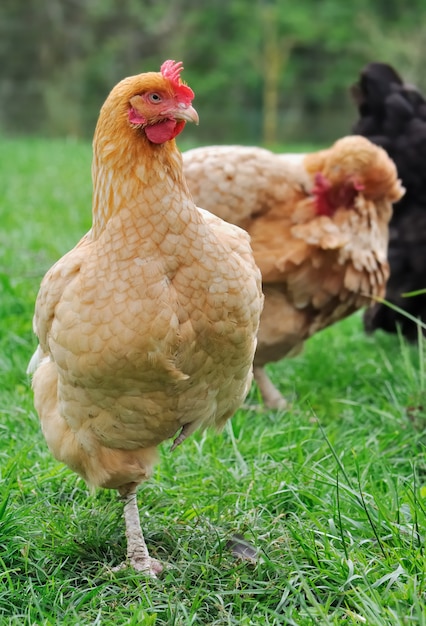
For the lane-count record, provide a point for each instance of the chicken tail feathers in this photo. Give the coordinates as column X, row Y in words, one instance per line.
column 35, row 361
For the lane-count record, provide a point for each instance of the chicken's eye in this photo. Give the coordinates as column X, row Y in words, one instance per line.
column 155, row 98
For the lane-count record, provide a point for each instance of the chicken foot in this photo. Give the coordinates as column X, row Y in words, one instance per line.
column 137, row 552
column 270, row 394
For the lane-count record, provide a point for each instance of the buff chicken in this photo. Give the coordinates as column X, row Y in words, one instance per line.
column 319, row 231
column 147, row 328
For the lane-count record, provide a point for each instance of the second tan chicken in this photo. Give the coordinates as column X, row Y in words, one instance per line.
column 319, row 230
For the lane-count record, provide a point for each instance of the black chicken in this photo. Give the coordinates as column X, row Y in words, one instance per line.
column 393, row 115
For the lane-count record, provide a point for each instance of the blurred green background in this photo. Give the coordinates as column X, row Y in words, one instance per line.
column 264, row 71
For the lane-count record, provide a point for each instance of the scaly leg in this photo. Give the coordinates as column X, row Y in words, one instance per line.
column 137, row 552
column 270, row 394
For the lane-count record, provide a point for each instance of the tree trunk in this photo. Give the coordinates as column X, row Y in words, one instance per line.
column 276, row 52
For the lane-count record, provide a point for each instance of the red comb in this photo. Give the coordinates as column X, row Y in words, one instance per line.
column 171, row 71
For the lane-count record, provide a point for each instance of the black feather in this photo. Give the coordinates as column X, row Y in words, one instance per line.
column 392, row 114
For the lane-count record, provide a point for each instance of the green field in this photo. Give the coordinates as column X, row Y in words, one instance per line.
column 331, row 493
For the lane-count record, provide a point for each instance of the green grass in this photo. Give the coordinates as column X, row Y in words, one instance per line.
column 331, row 493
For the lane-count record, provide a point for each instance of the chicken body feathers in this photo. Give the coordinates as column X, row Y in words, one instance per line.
column 316, row 269
column 148, row 326
column 392, row 114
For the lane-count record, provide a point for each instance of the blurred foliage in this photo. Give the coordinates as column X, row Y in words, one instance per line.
column 265, row 71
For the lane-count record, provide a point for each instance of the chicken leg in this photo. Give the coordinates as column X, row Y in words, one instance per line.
column 137, row 551
column 270, row 394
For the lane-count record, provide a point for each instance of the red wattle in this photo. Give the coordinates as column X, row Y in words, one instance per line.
column 164, row 131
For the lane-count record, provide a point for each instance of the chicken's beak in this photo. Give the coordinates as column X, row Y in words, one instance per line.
column 187, row 114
